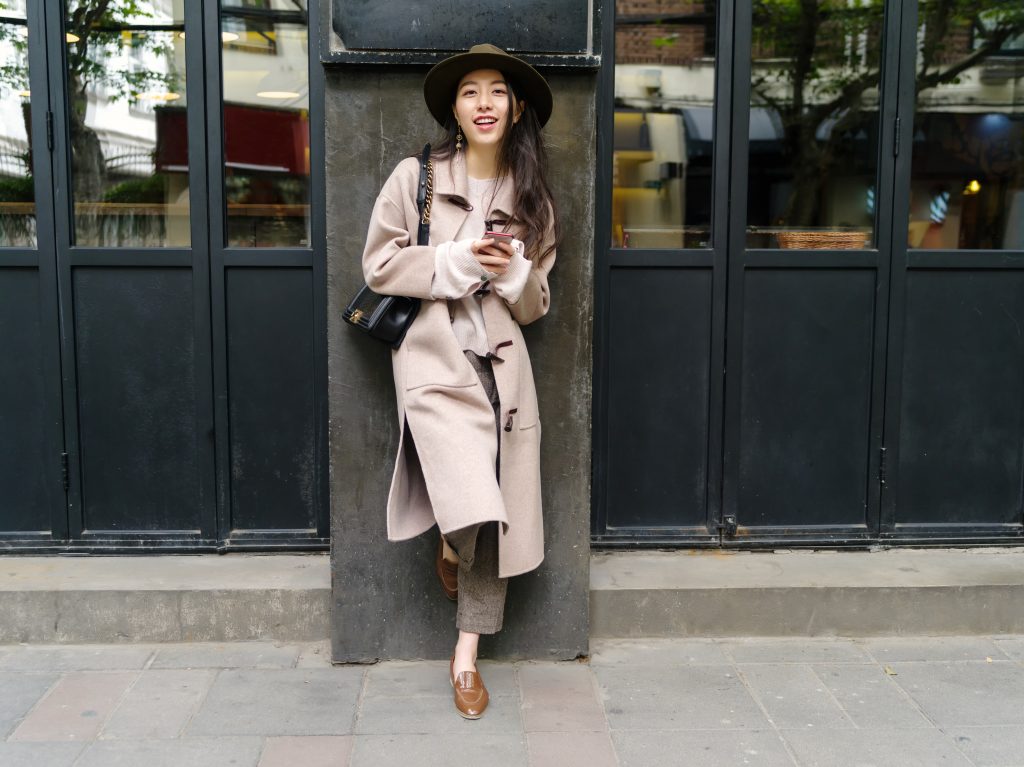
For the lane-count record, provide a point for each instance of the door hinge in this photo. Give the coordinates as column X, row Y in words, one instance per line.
column 896, row 140
column 882, row 470
column 728, row 526
column 64, row 472
column 49, row 131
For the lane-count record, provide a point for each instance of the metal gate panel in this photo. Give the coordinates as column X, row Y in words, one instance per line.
column 27, row 455
column 805, row 398
column 658, row 378
column 141, row 433
column 270, row 350
column 961, row 417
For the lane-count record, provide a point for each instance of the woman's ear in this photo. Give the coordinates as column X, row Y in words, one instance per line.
column 519, row 111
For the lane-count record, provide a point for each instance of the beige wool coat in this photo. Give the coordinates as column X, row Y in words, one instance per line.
column 444, row 470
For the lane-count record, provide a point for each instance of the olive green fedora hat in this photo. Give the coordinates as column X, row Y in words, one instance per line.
column 441, row 81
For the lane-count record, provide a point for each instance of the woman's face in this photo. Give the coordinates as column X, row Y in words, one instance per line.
column 483, row 102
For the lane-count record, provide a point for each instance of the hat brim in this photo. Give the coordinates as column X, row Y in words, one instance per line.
column 441, row 82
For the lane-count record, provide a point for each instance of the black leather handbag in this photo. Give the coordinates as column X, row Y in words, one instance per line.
column 388, row 318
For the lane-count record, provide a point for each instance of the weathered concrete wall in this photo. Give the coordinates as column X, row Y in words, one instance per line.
column 386, row 599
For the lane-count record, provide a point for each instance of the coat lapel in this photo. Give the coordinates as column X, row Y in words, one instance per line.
column 451, row 200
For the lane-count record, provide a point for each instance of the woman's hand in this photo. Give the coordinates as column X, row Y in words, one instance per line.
column 493, row 256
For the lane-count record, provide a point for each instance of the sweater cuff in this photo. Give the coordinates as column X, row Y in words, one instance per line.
column 457, row 273
column 510, row 285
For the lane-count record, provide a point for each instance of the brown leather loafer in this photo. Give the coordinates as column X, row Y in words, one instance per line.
column 470, row 694
column 447, row 573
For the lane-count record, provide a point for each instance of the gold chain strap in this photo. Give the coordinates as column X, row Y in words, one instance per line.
column 430, row 193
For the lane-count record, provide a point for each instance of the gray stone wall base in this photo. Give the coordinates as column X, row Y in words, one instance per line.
column 164, row 599
column 807, row 594
column 386, row 600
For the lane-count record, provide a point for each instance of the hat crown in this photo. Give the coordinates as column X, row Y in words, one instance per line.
column 487, row 48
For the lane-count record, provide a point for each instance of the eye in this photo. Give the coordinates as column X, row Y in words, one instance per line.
column 469, row 92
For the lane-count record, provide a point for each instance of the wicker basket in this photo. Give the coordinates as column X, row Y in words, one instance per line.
column 822, row 240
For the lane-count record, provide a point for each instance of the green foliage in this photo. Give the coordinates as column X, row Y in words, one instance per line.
column 17, row 189
column 152, row 189
column 103, row 31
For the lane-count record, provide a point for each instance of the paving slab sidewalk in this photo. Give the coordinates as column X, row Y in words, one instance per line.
column 636, row 703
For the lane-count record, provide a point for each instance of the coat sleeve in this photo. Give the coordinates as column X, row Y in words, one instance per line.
column 392, row 264
column 536, row 296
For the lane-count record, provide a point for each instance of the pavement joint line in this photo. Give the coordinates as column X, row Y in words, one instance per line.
column 764, row 711
column 120, row 701
column 211, row 680
column 37, row 704
column 950, row 739
column 828, row 691
column 357, row 714
column 596, row 689
column 998, row 644
column 894, row 680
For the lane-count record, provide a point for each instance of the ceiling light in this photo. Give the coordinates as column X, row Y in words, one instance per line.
column 170, row 96
column 71, row 37
column 228, row 37
column 277, row 94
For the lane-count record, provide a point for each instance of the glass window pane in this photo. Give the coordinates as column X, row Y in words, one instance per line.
column 967, row 168
column 128, row 132
column 17, row 190
column 266, row 122
column 813, row 123
column 664, row 100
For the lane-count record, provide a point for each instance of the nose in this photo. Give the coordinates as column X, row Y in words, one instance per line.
column 485, row 100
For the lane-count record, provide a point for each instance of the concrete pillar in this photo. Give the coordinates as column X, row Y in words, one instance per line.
column 386, row 599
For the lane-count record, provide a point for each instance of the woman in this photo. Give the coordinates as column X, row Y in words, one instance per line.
column 469, row 455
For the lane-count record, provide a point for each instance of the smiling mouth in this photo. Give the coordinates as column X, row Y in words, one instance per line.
column 485, row 121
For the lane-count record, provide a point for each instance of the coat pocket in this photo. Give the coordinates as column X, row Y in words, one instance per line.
column 432, row 356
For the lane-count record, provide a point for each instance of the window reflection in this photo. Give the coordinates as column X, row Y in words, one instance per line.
column 129, row 145
column 967, row 172
column 813, row 123
column 17, row 189
column 266, row 122
column 664, row 94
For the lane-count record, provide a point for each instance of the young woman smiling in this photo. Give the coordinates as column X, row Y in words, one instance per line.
column 469, row 453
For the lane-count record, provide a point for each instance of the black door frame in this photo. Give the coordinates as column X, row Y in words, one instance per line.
column 56, row 257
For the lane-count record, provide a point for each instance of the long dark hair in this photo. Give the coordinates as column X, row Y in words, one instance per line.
column 522, row 156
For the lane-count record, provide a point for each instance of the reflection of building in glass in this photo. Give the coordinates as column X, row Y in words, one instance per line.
column 266, row 122
column 123, row 67
column 664, row 91
column 814, row 133
column 17, row 195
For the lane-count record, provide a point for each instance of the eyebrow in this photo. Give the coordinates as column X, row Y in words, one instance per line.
column 474, row 82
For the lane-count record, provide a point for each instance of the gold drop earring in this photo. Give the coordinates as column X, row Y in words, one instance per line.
column 458, row 140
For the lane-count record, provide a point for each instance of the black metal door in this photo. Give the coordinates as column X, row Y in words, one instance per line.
column 660, row 276
column 808, row 270
column 191, row 366
column 955, row 401
column 132, row 274
column 873, row 370
column 32, row 509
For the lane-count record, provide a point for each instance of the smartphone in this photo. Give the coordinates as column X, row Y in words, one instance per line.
column 505, row 237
